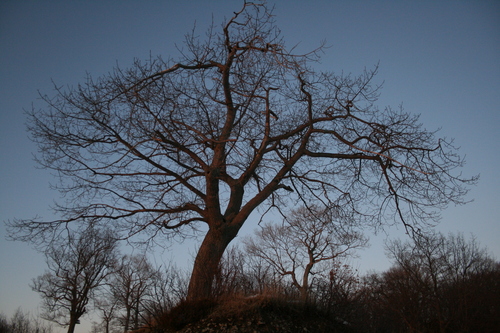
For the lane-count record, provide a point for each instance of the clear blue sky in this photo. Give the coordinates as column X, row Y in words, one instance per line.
column 441, row 59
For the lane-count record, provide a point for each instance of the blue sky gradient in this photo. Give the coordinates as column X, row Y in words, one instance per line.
column 439, row 59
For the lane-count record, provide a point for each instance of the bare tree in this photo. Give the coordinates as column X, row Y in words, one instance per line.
column 431, row 285
column 338, row 291
column 23, row 322
column 76, row 267
column 20, row 322
column 137, row 295
column 309, row 237
column 107, row 307
column 231, row 277
column 168, row 288
column 4, row 325
column 130, row 286
column 263, row 279
column 237, row 122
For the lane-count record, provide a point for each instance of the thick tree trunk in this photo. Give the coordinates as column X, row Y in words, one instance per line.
column 304, row 290
column 72, row 324
column 71, row 327
column 75, row 315
column 207, row 261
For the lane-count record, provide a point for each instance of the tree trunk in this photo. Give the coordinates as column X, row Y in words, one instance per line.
column 304, row 289
column 136, row 314
column 71, row 328
column 75, row 313
column 72, row 324
column 207, row 261
column 127, row 319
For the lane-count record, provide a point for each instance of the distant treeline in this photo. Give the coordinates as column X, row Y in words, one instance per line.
column 437, row 284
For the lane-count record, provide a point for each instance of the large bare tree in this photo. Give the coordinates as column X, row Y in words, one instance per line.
column 236, row 123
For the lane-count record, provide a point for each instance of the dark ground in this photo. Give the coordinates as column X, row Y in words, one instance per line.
column 257, row 314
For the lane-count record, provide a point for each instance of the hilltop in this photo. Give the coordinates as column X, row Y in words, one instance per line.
column 250, row 314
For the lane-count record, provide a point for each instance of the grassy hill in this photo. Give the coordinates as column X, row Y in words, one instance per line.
column 249, row 314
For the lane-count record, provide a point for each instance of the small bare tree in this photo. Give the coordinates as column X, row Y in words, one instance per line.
column 237, row 123
column 77, row 265
column 309, row 237
column 107, row 308
column 130, row 286
column 23, row 322
column 168, row 288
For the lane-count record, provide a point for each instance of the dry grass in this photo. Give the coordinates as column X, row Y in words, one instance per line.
column 237, row 313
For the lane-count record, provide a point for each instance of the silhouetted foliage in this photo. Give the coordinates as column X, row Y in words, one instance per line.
column 438, row 284
column 4, row 325
column 337, row 293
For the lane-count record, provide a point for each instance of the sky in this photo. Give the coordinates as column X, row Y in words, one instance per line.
column 439, row 59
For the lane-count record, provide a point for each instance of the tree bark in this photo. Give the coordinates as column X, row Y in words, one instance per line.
column 127, row 319
column 72, row 324
column 71, row 328
column 207, row 260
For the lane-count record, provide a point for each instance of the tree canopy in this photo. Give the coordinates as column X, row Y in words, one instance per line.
column 236, row 123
